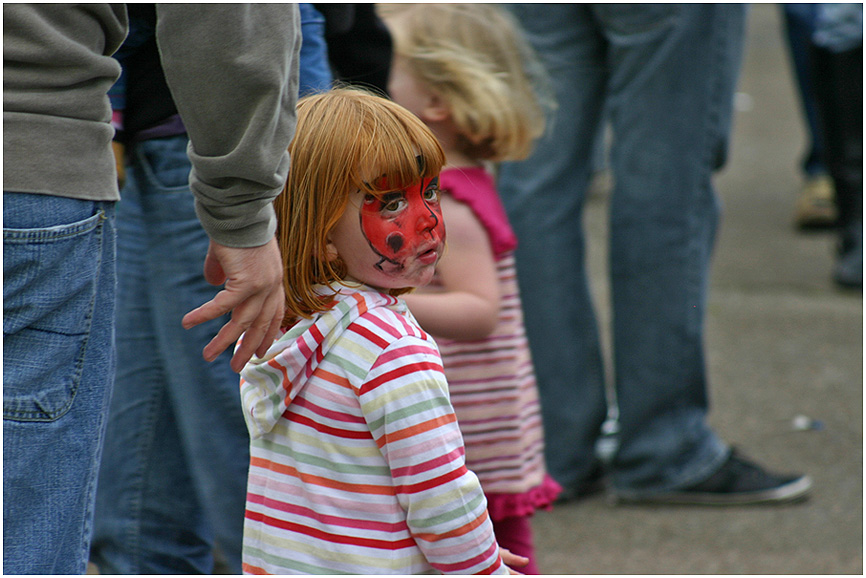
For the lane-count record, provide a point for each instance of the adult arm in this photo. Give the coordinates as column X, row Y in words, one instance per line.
column 233, row 72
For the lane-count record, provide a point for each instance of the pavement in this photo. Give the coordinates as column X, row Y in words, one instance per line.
column 782, row 341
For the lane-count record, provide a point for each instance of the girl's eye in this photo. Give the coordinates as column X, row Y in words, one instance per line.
column 393, row 202
column 432, row 195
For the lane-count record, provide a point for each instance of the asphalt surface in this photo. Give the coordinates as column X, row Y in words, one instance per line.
column 782, row 341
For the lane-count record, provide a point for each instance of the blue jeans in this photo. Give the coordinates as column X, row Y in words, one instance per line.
column 799, row 27
column 174, row 468
column 315, row 70
column 58, row 334
column 838, row 26
column 665, row 76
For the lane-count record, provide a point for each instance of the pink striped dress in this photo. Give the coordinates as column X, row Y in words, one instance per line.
column 492, row 381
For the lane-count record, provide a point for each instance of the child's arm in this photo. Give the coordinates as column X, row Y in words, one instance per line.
column 467, row 307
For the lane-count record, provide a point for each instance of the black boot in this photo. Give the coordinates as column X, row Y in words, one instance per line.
column 839, row 97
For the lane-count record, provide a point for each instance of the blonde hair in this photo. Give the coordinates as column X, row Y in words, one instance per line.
column 475, row 57
column 345, row 140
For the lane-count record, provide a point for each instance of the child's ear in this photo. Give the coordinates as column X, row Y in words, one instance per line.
column 331, row 253
column 436, row 109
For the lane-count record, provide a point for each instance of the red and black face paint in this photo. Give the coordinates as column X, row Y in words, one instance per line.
column 404, row 223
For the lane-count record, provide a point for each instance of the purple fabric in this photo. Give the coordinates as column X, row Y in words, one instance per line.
column 172, row 126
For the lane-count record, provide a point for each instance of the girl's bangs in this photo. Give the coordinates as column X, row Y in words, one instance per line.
column 402, row 152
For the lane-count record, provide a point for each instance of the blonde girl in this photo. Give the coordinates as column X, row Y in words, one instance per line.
column 356, row 459
column 465, row 70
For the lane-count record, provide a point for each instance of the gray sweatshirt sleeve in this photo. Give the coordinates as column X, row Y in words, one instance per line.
column 233, row 73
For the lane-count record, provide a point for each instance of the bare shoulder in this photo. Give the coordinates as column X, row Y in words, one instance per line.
column 461, row 224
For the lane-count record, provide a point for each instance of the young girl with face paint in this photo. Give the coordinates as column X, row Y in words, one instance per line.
column 463, row 70
column 356, row 459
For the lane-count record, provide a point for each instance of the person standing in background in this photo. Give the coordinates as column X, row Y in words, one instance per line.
column 359, row 45
column 664, row 75
column 836, row 59
column 173, row 476
column 60, row 191
column 815, row 207
column 174, row 467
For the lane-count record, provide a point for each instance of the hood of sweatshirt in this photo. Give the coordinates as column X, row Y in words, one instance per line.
column 270, row 383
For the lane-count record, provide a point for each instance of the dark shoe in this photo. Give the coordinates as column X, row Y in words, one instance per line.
column 594, row 484
column 738, row 482
column 849, row 265
column 838, row 91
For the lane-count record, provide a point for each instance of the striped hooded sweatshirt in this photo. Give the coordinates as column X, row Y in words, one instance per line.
column 357, row 463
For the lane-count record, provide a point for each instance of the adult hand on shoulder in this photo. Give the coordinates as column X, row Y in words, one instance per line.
column 254, row 294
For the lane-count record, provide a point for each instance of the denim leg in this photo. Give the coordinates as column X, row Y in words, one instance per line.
column 58, row 358
column 205, row 396
column 838, row 26
column 315, row 70
column 140, row 460
column 544, row 197
column 666, row 74
column 673, row 69
column 799, row 26
column 180, row 481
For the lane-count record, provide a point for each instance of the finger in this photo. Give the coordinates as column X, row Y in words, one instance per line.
column 225, row 338
column 242, row 322
column 244, row 313
column 243, row 353
column 511, row 559
column 254, row 340
column 258, row 315
column 510, row 554
column 222, row 303
column 271, row 335
column 258, row 335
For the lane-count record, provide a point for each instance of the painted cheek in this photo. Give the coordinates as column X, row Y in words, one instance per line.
column 385, row 235
column 395, row 241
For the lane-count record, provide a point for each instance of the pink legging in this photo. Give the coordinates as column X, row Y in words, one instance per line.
column 515, row 534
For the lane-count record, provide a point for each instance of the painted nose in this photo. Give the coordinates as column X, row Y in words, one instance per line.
column 427, row 220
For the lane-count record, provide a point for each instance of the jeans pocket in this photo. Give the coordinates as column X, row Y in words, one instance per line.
column 49, row 289
column 164, row 163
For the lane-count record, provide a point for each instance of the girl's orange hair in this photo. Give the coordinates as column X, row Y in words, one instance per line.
column 345, row 140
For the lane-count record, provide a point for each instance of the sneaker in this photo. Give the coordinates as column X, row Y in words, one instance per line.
column 595, row 483
column 738, row 482
column 816, row 206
